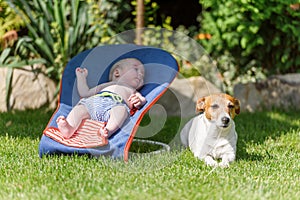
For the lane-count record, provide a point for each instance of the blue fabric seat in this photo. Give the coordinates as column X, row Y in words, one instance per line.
column 160, row 70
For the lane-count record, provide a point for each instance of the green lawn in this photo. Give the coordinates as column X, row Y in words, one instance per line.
column 267, row 166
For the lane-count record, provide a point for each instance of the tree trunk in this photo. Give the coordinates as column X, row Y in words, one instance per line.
column 139, row 21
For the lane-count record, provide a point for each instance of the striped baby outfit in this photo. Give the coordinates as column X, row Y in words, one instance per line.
column 100, row 104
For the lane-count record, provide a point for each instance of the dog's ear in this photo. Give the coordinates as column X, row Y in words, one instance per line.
column 200, row 106
column 237, row 106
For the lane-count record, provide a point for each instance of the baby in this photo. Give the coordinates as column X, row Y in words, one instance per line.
column 109, row 102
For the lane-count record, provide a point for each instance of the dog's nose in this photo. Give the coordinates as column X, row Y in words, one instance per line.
column 225, row 120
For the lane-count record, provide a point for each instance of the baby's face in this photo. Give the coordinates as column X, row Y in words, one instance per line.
column 133, row 73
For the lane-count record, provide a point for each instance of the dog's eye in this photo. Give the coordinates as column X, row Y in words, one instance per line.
column 215, row 106
column 230, row 106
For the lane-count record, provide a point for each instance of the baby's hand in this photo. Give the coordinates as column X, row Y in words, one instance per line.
column 81, row 72
column 137, row 100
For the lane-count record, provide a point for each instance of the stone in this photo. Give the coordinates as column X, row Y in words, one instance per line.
column 280, row 91
column 181, row 97
column 29, row 90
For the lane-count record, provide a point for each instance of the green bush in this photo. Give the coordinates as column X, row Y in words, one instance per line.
column 262, row 34
column 60, row 29
column 8, row 21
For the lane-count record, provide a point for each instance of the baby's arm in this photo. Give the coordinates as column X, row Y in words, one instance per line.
column 82, row 86
column 137, row 100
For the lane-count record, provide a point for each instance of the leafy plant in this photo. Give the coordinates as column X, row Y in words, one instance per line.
column 57, row 30
column 262, row 32
column 8, row 21
column 114, row 15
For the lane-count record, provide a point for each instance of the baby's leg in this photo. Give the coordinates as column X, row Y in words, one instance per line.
column 118, row 115
column 68, row 126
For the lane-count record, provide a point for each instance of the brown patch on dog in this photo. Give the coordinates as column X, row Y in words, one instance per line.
column 213, row 104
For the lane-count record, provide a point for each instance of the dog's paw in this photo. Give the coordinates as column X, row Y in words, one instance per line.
column 210, row 161
column 226, row 160
column 224, row 164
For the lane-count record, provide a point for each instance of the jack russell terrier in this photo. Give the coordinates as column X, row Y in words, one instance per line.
column 211, row 135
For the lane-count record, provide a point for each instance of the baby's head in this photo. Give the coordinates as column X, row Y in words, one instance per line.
column 129, row 69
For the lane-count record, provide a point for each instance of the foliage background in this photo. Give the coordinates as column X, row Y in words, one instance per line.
column 247, row 40
column 252, row 37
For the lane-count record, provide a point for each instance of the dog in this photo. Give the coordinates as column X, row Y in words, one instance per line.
column 211, row 135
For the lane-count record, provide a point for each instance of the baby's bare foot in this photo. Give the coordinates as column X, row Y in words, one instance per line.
column 64, row 127
column 61, row 120
column 103, row 133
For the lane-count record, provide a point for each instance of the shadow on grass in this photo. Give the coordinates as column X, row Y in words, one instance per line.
column 167, row 135
column 24, row 124
column 256, row 128
column 31, row 123
column 252, row 128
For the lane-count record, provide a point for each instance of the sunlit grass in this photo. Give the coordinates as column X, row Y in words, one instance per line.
column 267, row 165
